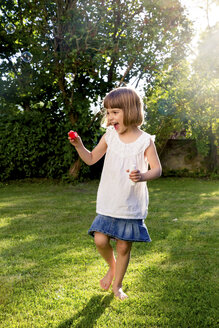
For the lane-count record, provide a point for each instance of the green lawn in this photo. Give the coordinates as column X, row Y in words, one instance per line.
column 50, row 270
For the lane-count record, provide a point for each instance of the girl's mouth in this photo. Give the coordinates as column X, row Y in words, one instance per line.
column 116, row 126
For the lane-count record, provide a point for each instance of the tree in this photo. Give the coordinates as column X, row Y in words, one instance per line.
column 203, row 119
column 207, row 61
column 186, row 99
column 167, row 104
column 81, row 49
column 101, row 41
column 206, row 80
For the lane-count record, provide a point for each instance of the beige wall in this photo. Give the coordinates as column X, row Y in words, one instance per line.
column 181, row 154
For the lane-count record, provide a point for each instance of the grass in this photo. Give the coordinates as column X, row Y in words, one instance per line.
column 50, row 269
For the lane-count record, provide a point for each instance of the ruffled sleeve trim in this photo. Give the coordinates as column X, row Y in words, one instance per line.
column 146, row 141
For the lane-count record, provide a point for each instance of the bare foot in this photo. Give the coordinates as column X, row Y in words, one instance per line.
column 118, row 292
column 107, row 280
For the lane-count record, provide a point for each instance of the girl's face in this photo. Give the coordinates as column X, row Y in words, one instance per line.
column 115, row 118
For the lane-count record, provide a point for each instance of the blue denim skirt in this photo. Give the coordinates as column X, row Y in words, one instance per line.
column 123, row 229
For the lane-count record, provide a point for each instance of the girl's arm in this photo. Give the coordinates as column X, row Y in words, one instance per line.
column 89, row 157
column 155, row 166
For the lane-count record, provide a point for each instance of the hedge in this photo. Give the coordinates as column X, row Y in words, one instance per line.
column 35, row 145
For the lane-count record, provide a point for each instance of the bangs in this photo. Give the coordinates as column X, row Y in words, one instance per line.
column 113, row 100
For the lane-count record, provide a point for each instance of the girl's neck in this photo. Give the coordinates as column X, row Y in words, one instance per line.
column 131, row 134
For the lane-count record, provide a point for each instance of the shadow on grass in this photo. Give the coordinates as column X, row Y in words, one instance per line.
column 89, row 314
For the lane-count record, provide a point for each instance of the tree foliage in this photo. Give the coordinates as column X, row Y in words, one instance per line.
column 101, row 43
column 166, row 104
column 206, row 92
column 187, row 99
column 207, row 61
column 82, row 49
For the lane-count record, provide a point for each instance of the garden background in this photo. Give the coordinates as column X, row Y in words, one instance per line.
column 58, row 59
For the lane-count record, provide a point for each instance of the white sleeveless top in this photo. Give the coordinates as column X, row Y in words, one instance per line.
column 116, row 196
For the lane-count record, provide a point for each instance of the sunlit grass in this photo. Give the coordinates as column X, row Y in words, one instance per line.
column 50, row 269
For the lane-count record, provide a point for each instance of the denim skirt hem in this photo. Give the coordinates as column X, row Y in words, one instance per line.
column 123, row 229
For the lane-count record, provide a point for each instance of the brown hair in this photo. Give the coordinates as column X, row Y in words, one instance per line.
column 129, row 101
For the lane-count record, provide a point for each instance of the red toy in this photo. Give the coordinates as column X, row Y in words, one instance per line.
column 72, row 134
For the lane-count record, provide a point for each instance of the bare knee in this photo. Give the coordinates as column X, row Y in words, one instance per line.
column 123, row 247
column 101, row 240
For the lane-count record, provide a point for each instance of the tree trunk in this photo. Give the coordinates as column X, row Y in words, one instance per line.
column 213, row 163
column 75, row 168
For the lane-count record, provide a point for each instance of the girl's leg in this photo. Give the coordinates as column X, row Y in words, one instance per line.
column 123, row 249
column 106, row 251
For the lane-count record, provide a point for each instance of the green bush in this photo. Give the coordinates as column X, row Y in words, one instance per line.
column 35, row 145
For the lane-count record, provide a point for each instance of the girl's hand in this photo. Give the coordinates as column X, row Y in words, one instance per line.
column 135, row 175
column 76, row 142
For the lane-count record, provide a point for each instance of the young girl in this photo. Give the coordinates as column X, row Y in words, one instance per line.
column 122, row 198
